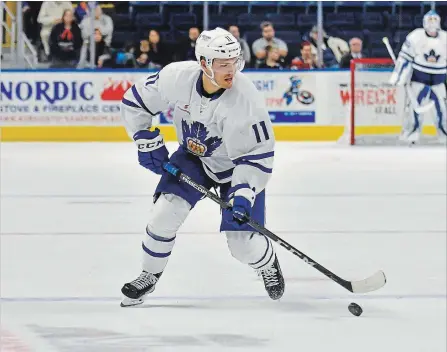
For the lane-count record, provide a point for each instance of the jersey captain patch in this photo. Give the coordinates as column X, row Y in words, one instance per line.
column 196, row 140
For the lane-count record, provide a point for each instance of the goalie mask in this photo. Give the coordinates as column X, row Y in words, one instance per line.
column 432, row 22
column 222, row 45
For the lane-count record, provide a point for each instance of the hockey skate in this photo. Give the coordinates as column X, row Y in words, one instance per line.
column 135, row 291
column 273, row 279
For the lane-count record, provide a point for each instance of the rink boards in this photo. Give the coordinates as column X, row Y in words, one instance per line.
column 84, row 105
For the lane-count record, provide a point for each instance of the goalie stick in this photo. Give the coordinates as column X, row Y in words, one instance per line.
column 418, row 109
column 369, row 284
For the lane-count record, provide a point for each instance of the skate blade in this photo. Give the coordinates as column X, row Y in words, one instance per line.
column 130, row 302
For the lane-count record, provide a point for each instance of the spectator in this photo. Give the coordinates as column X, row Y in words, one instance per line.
column 307, row 60
column 81, row 11
column 159, row 53
column 273, row 59
column 142, row 54
column 102, row 52
column 31, row 26
column 233, row 29
column 65, row 42
column 103, row 22
column 194, row 33
column 50, row 14
column 333, row 48
column 124, row 58
column 355, row 45
column 268, row 39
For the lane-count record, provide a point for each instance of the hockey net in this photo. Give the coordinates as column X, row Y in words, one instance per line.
column 377, row 110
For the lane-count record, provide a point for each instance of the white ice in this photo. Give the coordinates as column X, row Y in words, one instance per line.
column 73, row 216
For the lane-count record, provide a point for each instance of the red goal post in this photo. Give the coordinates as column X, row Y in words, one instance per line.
column 353, row 65
column 380, row 113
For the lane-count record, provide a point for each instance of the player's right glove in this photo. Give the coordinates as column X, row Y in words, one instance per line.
column 241, row 207
column 152, row 152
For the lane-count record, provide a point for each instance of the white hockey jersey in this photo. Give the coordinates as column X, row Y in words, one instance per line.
column 230, row 131
column 422, row 59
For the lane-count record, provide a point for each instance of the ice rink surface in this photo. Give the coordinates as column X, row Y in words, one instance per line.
column 73, row 216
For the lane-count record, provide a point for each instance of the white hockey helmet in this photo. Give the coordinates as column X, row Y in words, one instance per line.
column 432, row 22
column 218, row 44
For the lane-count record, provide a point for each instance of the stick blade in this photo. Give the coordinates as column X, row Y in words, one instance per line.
column 369, row 284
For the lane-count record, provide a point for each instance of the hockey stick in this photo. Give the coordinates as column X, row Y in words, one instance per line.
column 369, row 284
column 418, row 109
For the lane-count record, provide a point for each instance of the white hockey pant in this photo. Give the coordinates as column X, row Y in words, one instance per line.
column 165, row 218
column 425, row 94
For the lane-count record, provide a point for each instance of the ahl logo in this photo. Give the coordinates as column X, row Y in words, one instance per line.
column 167, row 116
column 114, row 90
column 196, row 140
column 303, row 96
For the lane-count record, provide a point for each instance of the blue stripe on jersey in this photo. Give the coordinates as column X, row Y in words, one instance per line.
column 255, row 157
column 404, row 52
column 153, row 79
column 130, row 103
column 238, row 187
column 140, row 101
column 220, row 175
column 153, row 254
column 406, row 56
column 159, row 238
column 430, row 68
column 258, row 166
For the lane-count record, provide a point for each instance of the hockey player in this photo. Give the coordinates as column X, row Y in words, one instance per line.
column 423, row 61
column 226, row 141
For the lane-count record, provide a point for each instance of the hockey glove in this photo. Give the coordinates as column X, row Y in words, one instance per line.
column 240, row 211
column 241, row 208
column 152, row 152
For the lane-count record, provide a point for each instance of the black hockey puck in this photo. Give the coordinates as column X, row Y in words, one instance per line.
column 355, row 309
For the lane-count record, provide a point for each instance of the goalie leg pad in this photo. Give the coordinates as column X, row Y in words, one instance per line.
column 166, row 216
column 413, row 128
column 438, row 95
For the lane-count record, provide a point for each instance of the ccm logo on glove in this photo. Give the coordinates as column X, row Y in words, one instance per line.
column 145, row 145
column 152, row 152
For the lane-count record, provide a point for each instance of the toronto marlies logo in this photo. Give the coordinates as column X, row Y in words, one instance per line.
column 196, row 141
column 431, row 56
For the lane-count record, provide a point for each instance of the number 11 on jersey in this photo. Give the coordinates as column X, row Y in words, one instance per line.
column 264, row 130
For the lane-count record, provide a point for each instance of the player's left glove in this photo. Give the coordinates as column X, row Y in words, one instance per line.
column 152, row 152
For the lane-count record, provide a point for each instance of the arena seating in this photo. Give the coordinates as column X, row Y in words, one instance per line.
column 369, row 20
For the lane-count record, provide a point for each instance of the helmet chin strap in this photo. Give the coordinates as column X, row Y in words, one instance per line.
column 213, row 81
